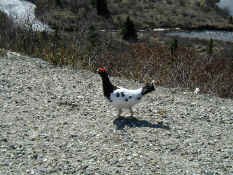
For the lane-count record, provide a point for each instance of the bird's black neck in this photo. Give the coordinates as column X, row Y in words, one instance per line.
column 108, row 88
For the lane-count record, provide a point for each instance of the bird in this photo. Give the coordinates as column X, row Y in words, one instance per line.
column 122, row 98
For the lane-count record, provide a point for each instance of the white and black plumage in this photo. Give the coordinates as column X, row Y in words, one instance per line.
column 121, row 97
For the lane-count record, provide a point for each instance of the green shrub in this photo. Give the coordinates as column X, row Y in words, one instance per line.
column 129, row 32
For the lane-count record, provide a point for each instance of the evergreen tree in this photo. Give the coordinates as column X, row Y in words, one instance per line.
column 59, row 3
column 102, row 8
column 129, row 32
column 173, row 46
column 92, row 36
column 210, row 46
column 230, row 20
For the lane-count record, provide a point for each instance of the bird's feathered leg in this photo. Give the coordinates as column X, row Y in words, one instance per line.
column 131, row 111
column 119, row 112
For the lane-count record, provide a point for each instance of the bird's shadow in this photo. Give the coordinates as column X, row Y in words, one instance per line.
column 133, row 122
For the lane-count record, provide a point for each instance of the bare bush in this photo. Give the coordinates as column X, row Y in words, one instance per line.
column 140, row 61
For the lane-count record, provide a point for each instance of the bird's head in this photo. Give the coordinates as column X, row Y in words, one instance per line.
column 102, row 71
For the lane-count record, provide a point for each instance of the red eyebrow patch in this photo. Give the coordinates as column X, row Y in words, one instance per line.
column 101, row 69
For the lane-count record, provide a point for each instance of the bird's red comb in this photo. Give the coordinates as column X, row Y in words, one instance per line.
column 102, row 69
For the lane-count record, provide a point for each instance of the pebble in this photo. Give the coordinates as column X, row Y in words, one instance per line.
column 55, row 120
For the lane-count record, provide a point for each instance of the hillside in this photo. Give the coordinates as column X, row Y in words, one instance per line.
column 145, row 13
column 54, row 120
column 80, row 40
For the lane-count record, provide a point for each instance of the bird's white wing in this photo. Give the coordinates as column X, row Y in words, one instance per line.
column 125, row 98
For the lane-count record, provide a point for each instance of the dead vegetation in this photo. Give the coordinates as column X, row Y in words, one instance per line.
column 88, row 48
column 185, row 69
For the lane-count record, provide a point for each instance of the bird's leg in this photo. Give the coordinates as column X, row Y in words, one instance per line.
column 131, row 111
column 119, row 112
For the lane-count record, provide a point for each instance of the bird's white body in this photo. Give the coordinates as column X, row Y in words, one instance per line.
column 121, row 97
column 125, row 98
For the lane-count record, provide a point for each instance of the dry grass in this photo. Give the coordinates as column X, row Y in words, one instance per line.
column 140, row 61
column 3, row 52
column 185, row 69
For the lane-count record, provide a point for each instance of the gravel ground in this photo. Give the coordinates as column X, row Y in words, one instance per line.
column 55, row 120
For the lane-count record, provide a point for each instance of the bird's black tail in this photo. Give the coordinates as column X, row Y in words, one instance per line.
column 149, row 87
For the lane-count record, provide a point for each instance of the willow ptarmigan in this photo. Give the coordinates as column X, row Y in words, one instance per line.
column 121, row 97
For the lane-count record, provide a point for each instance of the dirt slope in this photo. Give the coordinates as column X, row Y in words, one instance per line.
column 55, row 121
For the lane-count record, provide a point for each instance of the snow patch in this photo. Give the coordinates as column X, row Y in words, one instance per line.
column 23, row 13
column 226, row 4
